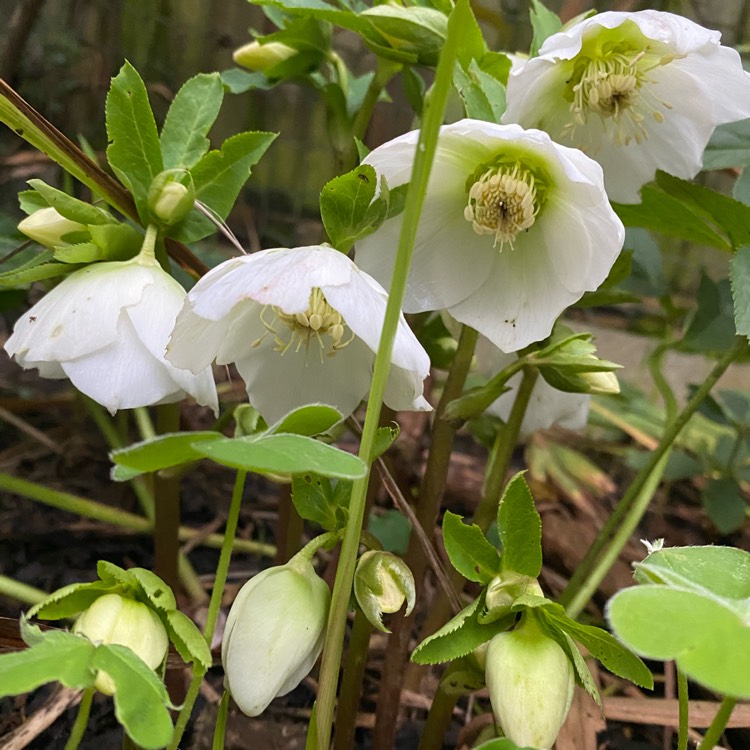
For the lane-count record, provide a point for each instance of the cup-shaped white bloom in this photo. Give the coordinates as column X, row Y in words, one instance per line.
column 113, row 619
column 106, row 328
column 302, row 326
column 636, row 91
column 547, row 405
column 530, row 681
column 514, row 229
column 274, row 633
column 48, row 227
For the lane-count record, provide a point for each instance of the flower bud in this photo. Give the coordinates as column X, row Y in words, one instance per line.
column 48, row 227
column 171, row 196
column 602, row 382
column 503, row 590
column 530, row 681
column 113, row 619
column 382, row 583
column 262, row 57
column 274, row 633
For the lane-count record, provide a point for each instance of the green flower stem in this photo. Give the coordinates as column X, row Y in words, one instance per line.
column 718, row 725
column 143, row 421
column 220, row 730
column 99, row 512
column 82, row 719
column 684, row 704
column 214, row 605
column 432, row 120
column 438, row 720
column 384, row 72
column 502, row 452
column 627, row 515
column 351, row 682
column 21, row 592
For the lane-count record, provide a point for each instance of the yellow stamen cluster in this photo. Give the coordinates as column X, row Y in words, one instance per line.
column 612, row 87
column 319, row 320
column 502, row 202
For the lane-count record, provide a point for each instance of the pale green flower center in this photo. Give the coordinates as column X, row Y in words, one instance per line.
column 503, row 202
column 320, row 322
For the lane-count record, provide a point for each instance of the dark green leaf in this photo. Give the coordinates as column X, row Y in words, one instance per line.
column 384, row 439
column 191, row 115
column 218, row 178
column 725, row 503
column 133, row 152
column 469, row 551
column 520, row 529
column 729, row 146
column 392, row 529
column 711, row 328
column 239, row 81
column 740, row 282
column 314, row 499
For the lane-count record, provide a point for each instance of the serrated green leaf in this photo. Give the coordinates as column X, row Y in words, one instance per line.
column 37, row 269
column 384, row 438
column 70, row 207
column 163, row 451
column 283, row 454
column 707, row 639
column 459, row 636
column 72, row 599
column 83, row 252
column 310, row 420
column 218, row 178
column 59, row 657
column 141, row 699
column 154, row 590
column 601, row 645
column 740, row 282
column 111, row 573
column 187, row 639
column 348, row 209
column 711, row 327
column 520, row 529
column 469, row 551
column 477, row 104
column 318, row 9
column 314, row 498
column 544, row 23
column 133, row 152
column 192, row 113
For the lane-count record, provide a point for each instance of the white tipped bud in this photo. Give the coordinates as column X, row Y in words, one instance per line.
column 530, row 681
column 113, row 619
column 382, row 583
column 261, row 57
column 48, row 227
column 601, row 382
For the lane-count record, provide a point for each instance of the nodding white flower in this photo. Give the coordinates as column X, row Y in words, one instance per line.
column 547, row 405
column 514, row 229
column 106, row 328
column 636, row 91
column 302, row 326
column 274, row 633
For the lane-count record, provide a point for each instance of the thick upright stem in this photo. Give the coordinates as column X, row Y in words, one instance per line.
column 167, row 507
column 718, row 725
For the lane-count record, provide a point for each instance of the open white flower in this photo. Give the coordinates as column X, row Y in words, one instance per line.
column 547, row 405
column 514, row 229
column 106, row 328
column 636, row 91
column 302, row 326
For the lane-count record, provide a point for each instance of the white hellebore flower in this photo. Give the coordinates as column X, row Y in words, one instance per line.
column 636, row 91
column 547, row 405
column 302, row 326
column 274, row 633
column 106, row 328
column 514, row 229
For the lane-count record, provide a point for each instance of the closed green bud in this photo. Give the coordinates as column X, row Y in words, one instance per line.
column 49, row 228
column 382, row 583
column 530, row 682
column 503, row 591
column 113, row 619
column 171, row 196
column 602, row 382
column 274, row 633
column 262, row 57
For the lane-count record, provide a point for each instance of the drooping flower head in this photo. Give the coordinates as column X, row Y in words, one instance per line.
column 636, row 91
column 302, row 326
column 514, row 229
column 106, row 328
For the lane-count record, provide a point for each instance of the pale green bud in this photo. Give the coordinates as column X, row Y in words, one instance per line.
column 382, row 583
column 171, row 196
column 48, row 227
column 530, row 682
column 274, row 633
column 602, row 382
column 503, row 591
column 113, row 619
column 262, row 57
